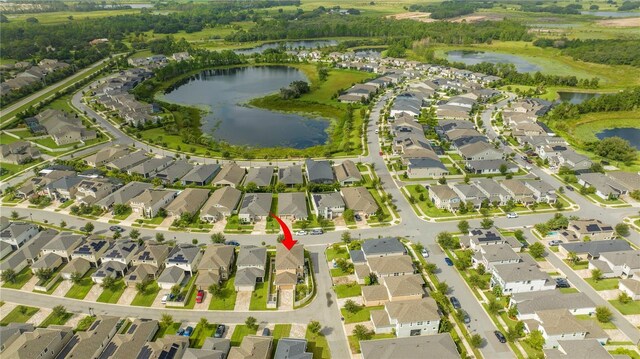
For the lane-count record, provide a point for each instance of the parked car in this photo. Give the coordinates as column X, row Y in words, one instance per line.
column 357, row 217
column 500, row 336
column 424, row 252
column 570, row 188
column 316, row 232
column 562, row 283
column 448, row 261
column 266, row 332
column 219, row 331
column 232, row 243
column 465, row 318
column 188, row 332
column 116, row 229
column 180, row 331
column 200, row 296
column 164, row 299
column 376, row 131
column 455, row 302
column 512, row 215
column 555, row 242
column 301, row 233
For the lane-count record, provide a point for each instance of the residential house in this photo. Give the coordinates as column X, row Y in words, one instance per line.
column 400, row 288
column 124, row 194
column 586, row 348
column 252, row 347
column 492, row 190
column 150, row 167
column 426, row 167
column 478, row 237
column 443, row 197
column 255, row 207
column 17, row 233
column 408, row 318
column 28, row 253
column 491, row 167
column 171, row 276
column 347, row 173
column 542, row 191
column 116, row 260
column 605, row 187
column 619, row 264
column 437, row 345
column 184, row 256
column 631, row 287
column 221, row 204
column 518, row 191
column 292, row 348
column 319, row 171
column 188, row 202
column 531, row 302
column 260, row 176
column 47, row 261
column 76, row 266
column 389, row 266
column 293, row 205
column 43, row 343
column 593, row 249
column 289, row 266
column 360, row 200
column 18, row 153
column 63, row 245
column 169, row 346
column 150, row 201
column 90, row 191
column 470, row 195
column 592, row 229
column 489, row 256
column 558, row 325
column 250, row 266
column 106, row 155
column 201, row 175
column 147, row 263
column 328, row 205
column 175, row 171
column 521, row 277
column 215, row 265
column 478, row 151
column 92, row 251
column 230, row 175
column 291, row 176
column 631, row 180
column 130, row 343
column 383, row 247
column 212, row 348
column 124, row 163
column 63, row 188
column 92, row 342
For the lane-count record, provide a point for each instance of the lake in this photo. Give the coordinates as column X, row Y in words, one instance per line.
column 576, row 97
column 303, row 44
column 611, row 13
column 225, row 93
column 476, row 57
column 628, row 133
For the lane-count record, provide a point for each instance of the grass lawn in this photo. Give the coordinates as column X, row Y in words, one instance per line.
column 607, row 325
column 240, row 332
column 426, row 205
column 333, row 254
column 54, row 319
column 568, row 290
column 280, row 331
column 603, row 284
column 259, row 297
column 85, row 323
column 227, row 299
column 577, row 266
column 531, row 353
column 22, row 278
column 146, row 298
column 347, row 290
column 112, row 295
column 80, row 290
column 354, row 343
column 361, row 315
column 200, row 333
column 15, row 316
column 337, row 272
column 123, row 216
column 172, row 329
column 633, row 307
column 317, row 344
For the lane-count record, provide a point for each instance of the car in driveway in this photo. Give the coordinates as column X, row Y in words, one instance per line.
column 448, row 261
column 219, row 331
column 116, row 229
column 555, row 242
column 187, row 332
column 266, row 332
column 180, row 331
column 200, row 296
column 562, row 283
column 500, row 336
column 357, row 217
column 455, row 302
column 316, row 232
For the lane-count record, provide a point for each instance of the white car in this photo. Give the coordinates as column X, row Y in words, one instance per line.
column 512, row 215
column 376, row 131
column 425, row 253
column 164, row 299
column 301, row 233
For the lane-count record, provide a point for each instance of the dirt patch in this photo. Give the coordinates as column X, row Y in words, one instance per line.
column 417, row 16
column 626, row 22
column 344, row 279
column 478, row 18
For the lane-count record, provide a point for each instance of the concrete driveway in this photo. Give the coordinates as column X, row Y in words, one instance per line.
column 286, row 299
column 243, row 301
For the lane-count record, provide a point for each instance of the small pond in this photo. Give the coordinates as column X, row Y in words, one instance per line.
column 303, row 44
column 628, row 133
column 576, row 97
column 476, row 57
column 225, row 93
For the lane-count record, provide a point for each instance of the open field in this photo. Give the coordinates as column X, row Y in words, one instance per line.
column 62, row 17
column 626, row 22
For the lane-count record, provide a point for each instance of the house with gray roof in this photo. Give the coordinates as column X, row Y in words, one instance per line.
column 557, row 325
column 230, row 175
column 489, row 256
column 479, row 151
column 250, row 266
column 620, row 264
column 518, row 191
column 360, row 200
column 92, row 251
column 542, row 191
column 215, row 265
column 492, row 190
column 63, row 245
column 521, row 277
column 171, row 276
column 28, row 253
column 586, row 348
column 293, row 205
column 491, row 166
column 252, row 347
column 261, row 176
column 347, row 173
column 292, row 348
column 50, row 261
column 531, row 302
column 63, row 188
column 175, row 171
column 593, row 249
column 92, row 342
column 605, row 187
column 444, row 197
column 150, row 167
column 319, row 171
column 126, row 162
column 147, row 263
column 185, row 256
column 201, row 175
column 17, row 233
column 426, row 167
column 11, row 332
column 407, row 317
column 106, row 155
column 130, row 343
column 255, row 207
column 437, row 345
column 291, row 176
column 38, row 343
column 221, row 204
column 79, row 266
column 383, row 247
column 328, row 205
column 188, row 201
column 124, row 194
column 150, row 201
column 594, row 229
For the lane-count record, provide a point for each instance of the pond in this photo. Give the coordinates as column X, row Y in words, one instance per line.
column 576, row 97
column 628, row 133
column 303, row 44
column 611, row 13
column 476, row 57
column 225, row 93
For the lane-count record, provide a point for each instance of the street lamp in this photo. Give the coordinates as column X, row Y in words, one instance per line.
column 31, row 216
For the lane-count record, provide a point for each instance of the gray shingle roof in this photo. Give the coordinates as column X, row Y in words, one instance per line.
column 380, row 246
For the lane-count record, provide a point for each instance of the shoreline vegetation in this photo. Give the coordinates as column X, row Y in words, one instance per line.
column 318, row 103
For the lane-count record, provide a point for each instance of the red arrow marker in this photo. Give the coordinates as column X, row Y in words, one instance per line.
column 288, row 242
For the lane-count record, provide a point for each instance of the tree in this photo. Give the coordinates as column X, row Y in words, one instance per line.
column 447, row 241
column 116, row 235
column 503, row 169
column 442, row 287
column 203, row 323
column 166, row 320
column 251, row 322
column 345, row 237
column 44, row 274
column 141, row 287
column 314, row 327
column 622, row 229
column 362, row 333
column 486, row 223
column 624, row 298
column 445, row 325
column 476, row 341
column 59, row 311
column 108, row 283
column 76, row 277
column 134, row 234
column 9, row 275
column 513, row 311
column 348, row 215
column 88, row 227
column 603, row 314
column 218, row 238
column 596, row 274
column 493, row 306
column 463, row 226
column 351, row 306
column 537, row 250
column 14, row 215
column 519, row 234
column 497, row 291
column 215, row 290
column 159, row 237
column 431, row 268
column 535, row 340
column 63, row 224
column 176, row 289
column 573, row 258
column 373, row 278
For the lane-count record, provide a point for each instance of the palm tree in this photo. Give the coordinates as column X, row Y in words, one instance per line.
column 204, row 323
column 166, row 320
column 9, row 275
column 76, row 278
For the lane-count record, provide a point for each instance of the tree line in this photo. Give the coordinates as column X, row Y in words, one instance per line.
column 626, row 100
column 610, row 51
column 450, row 9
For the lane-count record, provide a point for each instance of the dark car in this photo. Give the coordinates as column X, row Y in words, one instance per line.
column 266, row 332
column 116, row 229
column 465, row 318
column 315, row 232
column 180, row 331
column 219, row 331
column 570, row 188
column 500, row 336
column 455, row 302
column 232, row 243
column 448, row 261
column 357, row 217
column 188, row 332
column 562, row 283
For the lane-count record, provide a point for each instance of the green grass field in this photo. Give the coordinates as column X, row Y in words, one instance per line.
column 347, row 290
column 240, row 332
column 200, row 334
column 603, row 284
column 16, row 316
column 112, row 295
column 80, row 290
column 259, row 297
column 631, row 308
column 227, row 300
column 318, row 345
column 54, row 319
column 146, row 298
column 361, row 315
column 21, row 279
